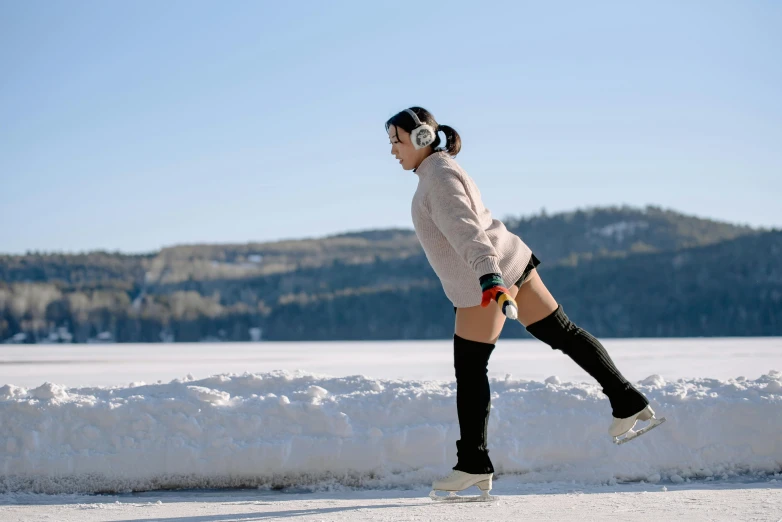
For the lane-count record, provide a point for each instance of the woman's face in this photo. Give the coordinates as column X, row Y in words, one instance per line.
column 403, row 150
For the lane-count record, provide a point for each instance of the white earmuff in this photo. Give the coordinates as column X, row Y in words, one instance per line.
column 423, row 134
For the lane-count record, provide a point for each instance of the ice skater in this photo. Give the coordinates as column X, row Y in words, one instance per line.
column 474, row 256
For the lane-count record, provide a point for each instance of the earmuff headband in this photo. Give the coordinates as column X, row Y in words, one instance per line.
column 423, row 134
column 415, row 117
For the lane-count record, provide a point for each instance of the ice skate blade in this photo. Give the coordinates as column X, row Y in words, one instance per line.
column 630, row 435
column 453, row 497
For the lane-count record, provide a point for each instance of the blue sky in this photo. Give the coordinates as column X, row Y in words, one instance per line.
column 136, row 125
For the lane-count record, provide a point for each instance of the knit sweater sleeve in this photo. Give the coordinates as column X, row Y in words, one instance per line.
column 453, row 214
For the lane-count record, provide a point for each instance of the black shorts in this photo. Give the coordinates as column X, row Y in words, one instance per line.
column 533, row 263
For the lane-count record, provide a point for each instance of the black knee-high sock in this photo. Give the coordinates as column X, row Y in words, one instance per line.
column 473, row 404
column 560, row 333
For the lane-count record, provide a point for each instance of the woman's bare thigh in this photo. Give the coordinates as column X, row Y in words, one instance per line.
column 534, row 300
column 483, row 325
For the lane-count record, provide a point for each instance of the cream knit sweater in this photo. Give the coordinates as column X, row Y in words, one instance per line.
column 461, row 240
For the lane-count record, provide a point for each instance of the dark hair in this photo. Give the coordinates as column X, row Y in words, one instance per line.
column 403, row 120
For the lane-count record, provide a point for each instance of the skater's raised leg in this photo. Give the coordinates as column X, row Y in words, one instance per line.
column 546, row 320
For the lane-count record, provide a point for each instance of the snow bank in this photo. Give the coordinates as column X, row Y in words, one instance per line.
column 295, row 428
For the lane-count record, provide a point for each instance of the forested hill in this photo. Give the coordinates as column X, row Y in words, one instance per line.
column 618, row 271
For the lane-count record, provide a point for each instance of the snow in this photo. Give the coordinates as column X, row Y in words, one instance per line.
column 620, row 229
column 343, row 444
column 728, row 501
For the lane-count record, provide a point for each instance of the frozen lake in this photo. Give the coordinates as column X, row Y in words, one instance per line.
column 119, row 364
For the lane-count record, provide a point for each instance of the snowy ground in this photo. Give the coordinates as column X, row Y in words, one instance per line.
column 695, row 501
column 362, row 439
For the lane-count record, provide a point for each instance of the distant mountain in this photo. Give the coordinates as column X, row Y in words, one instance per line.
column 618, row 271
column 732, row 288
column 618, row 231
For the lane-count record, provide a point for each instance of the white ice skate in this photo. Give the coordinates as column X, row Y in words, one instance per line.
column 625, row 427
column 458, row 481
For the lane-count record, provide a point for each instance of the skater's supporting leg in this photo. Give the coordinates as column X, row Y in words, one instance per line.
column 477, row 331
column 544, row 319
column 473, row 404
column 477, row 323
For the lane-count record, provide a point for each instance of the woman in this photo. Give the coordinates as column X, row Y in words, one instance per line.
column 474, row 256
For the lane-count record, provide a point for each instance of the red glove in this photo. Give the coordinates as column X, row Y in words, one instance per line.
column 494, row 290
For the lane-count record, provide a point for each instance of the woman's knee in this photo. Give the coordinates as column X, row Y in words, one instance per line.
column 470, row 358
column 556, row 330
